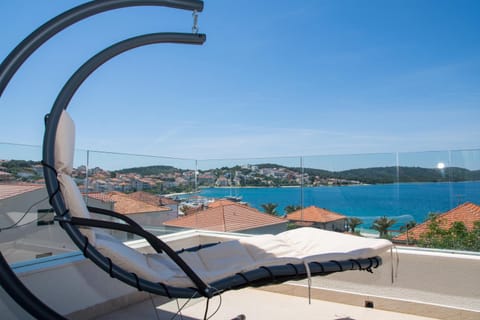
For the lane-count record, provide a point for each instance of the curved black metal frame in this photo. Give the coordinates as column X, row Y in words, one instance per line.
column 56, row 200
column 38, row 37
column 253, row 278
column 10, row 65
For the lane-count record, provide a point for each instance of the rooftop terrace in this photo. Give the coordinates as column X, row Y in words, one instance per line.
column 84, row 292
column 438, row 284
column 431, row 283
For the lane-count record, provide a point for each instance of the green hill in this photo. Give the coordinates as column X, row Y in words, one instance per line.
column 150, row 170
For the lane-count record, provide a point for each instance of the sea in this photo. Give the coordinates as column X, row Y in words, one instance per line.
column 401, row 201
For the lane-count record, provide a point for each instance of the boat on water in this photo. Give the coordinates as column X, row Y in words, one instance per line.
column 196, row 201
column 234, row 198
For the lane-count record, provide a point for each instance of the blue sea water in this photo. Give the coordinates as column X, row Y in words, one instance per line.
column 403, row 201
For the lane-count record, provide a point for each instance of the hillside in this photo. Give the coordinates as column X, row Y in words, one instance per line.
column 269, row 174
column 149, row 170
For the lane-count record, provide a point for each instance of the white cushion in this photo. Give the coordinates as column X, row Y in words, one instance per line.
column 132, row 260
column 74, row 203
column 231, row 257
column 269, row 250
column 320, row 245
column 64, row 144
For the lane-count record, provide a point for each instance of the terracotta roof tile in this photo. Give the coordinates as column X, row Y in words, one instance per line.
column 223, row 202
column 230, row 218
column 124, row 204
column 467, row 213
column 102, row 196
column 315, row 214
column 13, row 190
column 151, row 198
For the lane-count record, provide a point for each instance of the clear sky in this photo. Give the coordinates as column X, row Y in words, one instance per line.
column 275, row 78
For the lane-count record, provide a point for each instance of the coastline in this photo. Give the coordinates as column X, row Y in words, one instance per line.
column 403, row 202
column 170, row 195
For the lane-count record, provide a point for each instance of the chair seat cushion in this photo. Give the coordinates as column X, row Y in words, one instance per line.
column 213, row 263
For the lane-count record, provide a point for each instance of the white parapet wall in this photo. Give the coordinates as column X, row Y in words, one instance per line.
column 75, row 287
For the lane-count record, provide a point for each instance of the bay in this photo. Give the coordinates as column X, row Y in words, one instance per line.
column 402, row 201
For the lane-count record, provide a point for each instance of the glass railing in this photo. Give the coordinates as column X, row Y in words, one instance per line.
column 390, row 195
column 28, row 231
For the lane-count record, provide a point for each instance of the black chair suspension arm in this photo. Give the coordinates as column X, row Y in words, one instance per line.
column 61, row 103
column 42, row 34
column 116, row 215
column 79, row 77
column 94, row 223
column 8, row 68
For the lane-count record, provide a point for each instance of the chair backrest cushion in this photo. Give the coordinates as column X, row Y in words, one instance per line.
column 65, row 144
column 74, row 202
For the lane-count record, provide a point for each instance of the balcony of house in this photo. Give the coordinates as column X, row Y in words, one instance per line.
column 425, row 202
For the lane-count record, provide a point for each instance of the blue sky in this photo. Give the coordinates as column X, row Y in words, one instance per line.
column 275, row 78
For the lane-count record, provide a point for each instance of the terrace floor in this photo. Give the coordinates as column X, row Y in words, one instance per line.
column 257, row 304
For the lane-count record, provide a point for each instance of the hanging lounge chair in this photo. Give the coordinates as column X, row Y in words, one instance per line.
column 208, row 271
column 252, row 261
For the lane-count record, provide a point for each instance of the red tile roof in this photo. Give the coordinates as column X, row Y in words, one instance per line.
column 151, row 198
column 223, row 202
column 230, row 218
column 102, row 196
column 124, row 204
column 315, row 214
column 467, row 213
column 13, row 190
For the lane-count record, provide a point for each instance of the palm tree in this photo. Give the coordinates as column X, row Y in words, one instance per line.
column 382, row 225
column 270, row 208
column 353, row 223
column 409, row 225
column 291, row 208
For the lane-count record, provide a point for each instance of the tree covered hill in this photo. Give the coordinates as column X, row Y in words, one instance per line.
column 399, row 174
column 409, row 174
column 29, row 170
column 375, row 175
column 150, row 170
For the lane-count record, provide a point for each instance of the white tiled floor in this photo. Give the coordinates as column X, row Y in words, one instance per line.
column 258, row 304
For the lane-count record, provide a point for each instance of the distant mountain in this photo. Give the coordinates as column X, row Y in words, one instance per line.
column 375, row 175
column 408, row 174
column 150, row 170
column 322, row 174
column 397, row 174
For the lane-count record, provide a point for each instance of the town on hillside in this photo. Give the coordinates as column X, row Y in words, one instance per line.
column 140, row 192
column 457, row 229
column 168, row 179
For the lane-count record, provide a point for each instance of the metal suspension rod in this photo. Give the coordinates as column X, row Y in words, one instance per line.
column 38, row 37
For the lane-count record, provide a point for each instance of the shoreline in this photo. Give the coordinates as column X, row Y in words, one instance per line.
column 339, row 185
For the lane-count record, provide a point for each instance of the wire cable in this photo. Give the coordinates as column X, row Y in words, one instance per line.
column 15, row 225
column 218, row 308
column 179, row 312
column 154, row 306
column 183, row 306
